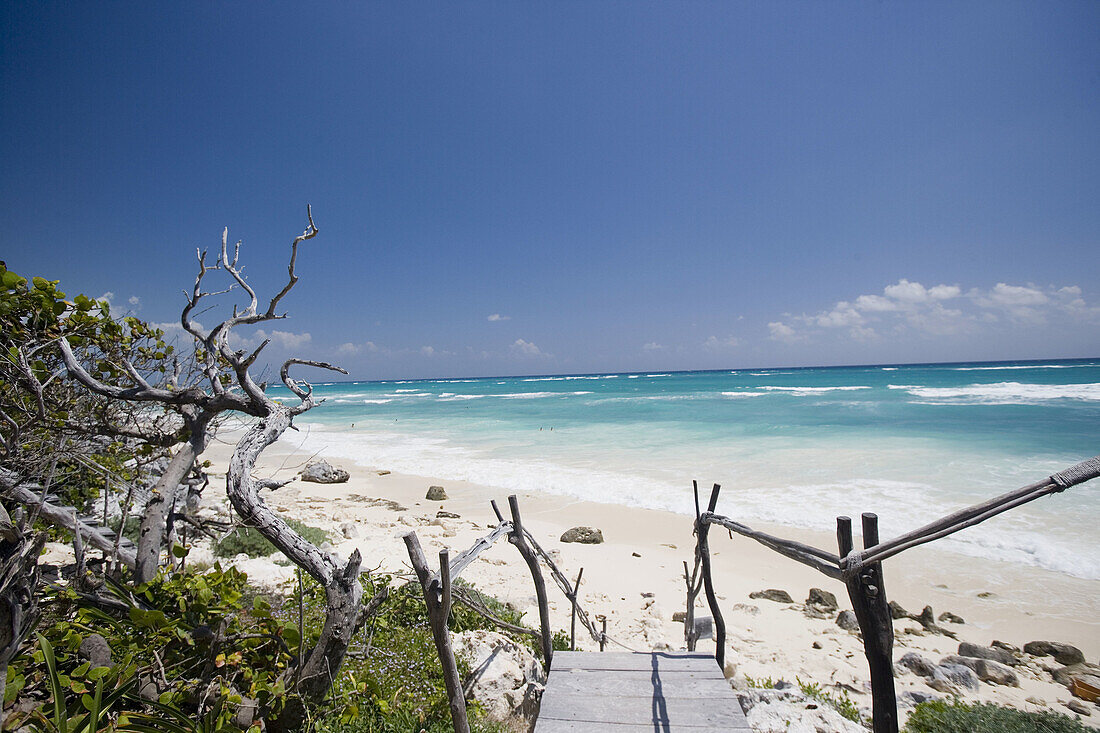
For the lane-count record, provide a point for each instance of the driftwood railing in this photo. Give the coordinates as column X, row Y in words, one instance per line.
column 859, row 570
column 439, row 592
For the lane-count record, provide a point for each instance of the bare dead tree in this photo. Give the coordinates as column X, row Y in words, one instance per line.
column 228, row 386
column 224, row 384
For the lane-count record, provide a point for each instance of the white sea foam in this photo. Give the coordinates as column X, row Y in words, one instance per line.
column 743, row 394
column 448, row 397
column 802, row 391
column 889, row 369
column 658, row 375
column 569, row 378
column 1021, row 537
column 1002, row 393
column 406, row 390
column 1020, row 366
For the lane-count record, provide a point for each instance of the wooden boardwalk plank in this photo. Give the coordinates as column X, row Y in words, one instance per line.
column 686, row 661
column 690, row 685
column 658, row 692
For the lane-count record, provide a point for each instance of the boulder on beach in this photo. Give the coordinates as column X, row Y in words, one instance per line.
column 949, row 617
column 847, row 621
column 773, row 594
column 1005, row 657
column 436, row 493
column 986, row 669
column 583, row 535
column 1062, row 653
column 505, row 677
column 820, row 604
column 1079, row 678
column 821, row 598
column 953, row 679
column 917, row 664
column 927, row 619
column 897, row 611
column 321, row 472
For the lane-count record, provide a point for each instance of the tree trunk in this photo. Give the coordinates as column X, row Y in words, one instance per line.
column 343, row 591
column 154, row 519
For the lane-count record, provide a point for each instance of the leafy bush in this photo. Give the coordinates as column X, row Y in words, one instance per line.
column 249, row 540
column 942, row 717
column 166, row 636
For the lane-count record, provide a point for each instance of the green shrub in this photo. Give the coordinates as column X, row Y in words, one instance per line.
column 942, row 717
column 249, row 540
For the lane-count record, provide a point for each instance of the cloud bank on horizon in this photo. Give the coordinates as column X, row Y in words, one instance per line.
column 942, row 311
column 906, row 311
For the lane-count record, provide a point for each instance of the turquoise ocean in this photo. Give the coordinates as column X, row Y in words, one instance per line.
column 794, row 447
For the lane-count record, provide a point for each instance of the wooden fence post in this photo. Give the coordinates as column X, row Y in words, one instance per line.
column 532, row 560
column 573, row 613
column 437, row 598
column 868, row 597
column 702, row 550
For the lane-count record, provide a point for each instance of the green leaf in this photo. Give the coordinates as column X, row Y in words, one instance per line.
column 98, row 672
column 61, row 719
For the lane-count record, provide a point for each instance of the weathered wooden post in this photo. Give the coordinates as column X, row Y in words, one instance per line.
column 573, row 612
column 603, row 633
column 702, row 551
column 516, row 538
column 437, row 598
column 868, row 597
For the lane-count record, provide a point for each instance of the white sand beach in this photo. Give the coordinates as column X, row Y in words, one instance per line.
column 635, row 578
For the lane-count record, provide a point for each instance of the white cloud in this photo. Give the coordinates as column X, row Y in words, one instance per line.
column 348, row 348
column 1011, row 296
column 842, row 315
column 134, row 301
column 520, row 347
column 944, row 292
column 782, row 332
column 913, row 292
column 652, row 346
column 427, row 351
column 908, row 307
column 875, row 303
column 720, row 343
column 498, row 317
column 285, row 339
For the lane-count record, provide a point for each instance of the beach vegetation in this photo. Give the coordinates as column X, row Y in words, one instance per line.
column 839, row 700
column 940, row 716
column 249, row 541
column 760, row 683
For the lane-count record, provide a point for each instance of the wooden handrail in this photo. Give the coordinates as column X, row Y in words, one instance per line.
column 861, row 570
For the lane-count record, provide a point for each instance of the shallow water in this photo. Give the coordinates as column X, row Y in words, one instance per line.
column 792, row 446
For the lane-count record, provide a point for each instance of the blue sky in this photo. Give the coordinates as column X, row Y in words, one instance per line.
column 507, row 188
